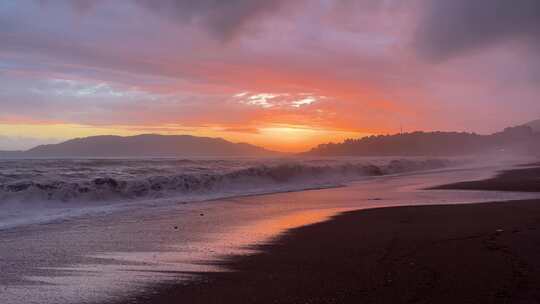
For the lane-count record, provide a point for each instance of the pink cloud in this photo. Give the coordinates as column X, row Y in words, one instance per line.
column 179, row 62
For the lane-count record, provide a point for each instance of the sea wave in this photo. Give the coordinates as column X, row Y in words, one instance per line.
column 124, row 181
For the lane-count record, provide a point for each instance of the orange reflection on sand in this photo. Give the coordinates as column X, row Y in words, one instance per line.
column 265, row 229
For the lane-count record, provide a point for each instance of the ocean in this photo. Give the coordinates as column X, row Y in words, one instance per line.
column 41, row 190
column 144, row 223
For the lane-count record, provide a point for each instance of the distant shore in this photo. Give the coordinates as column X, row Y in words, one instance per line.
column 477, row 253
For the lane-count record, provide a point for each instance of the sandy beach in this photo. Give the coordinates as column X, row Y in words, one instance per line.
column 306, row 246
column 475, row 253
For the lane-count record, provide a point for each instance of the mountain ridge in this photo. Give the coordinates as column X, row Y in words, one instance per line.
column 521, row 139
column 143, row 145
column 535, row 125
column 518, row 140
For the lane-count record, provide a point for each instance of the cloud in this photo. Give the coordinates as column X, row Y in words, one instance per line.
column 450, row 28
column 224, row 19
column 80, row 6
column 9, row 143
column 162, row 65
column 243, row 130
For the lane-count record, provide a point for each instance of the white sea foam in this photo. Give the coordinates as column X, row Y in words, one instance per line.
column 41, row 190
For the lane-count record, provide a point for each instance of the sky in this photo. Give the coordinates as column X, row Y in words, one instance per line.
column 283, row 74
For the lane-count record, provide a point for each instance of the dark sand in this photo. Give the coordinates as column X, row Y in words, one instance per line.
column 479, row 253
column 524, row 180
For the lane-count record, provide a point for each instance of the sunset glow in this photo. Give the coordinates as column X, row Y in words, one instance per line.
column 269, row 151
column 286, row 76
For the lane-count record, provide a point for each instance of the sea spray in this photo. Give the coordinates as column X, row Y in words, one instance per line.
column 87, row 181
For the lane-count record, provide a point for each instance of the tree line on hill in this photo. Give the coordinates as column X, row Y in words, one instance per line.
column 513, row 140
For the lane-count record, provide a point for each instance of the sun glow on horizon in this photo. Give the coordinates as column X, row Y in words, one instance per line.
column 278, row 137
column 286, row 76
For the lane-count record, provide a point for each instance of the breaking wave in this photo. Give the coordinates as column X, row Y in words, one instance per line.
column 117, row 180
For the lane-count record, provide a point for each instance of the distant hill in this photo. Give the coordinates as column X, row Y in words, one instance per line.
column 521, row 140
column 148, row 145
column 535, row 125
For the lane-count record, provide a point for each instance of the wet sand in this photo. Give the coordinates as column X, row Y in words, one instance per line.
column 477, row 253
column 522, row 179
column 149, row 253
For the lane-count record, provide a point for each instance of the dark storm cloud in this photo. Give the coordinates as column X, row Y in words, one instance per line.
column 223, row 18
column 80, row 6
column 452, row 27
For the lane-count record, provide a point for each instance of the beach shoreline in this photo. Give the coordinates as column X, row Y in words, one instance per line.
column 136, row 255
column 470, row 253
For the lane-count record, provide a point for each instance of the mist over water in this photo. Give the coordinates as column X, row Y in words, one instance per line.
column 42, row 190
